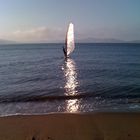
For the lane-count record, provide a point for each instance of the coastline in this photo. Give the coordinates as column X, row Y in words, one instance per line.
column 71, row 126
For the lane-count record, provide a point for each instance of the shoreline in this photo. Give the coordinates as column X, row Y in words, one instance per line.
column 72, row 126
column 72, row 113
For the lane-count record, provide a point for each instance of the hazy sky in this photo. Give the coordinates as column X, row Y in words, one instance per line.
column 47, row 20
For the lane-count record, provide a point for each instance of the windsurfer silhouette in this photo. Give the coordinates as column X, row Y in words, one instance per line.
column 65, row 52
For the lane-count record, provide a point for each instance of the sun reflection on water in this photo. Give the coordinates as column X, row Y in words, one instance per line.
column 72, row 105
column 71, row 84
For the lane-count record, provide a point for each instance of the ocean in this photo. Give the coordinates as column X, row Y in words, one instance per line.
column 102, row 77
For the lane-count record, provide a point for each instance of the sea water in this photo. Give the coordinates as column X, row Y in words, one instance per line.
column 37, row 79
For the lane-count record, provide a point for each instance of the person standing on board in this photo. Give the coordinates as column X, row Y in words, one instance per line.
column 64, row 52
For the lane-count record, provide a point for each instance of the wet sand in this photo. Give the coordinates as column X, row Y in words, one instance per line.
column 66, row 126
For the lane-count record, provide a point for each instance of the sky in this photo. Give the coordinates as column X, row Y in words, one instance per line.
column 47, row 20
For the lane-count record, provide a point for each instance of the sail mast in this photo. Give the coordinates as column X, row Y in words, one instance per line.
column 66, row 42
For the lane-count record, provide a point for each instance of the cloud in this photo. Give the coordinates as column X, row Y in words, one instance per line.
column 55, row 35
column 39, row 34
column 118, row 33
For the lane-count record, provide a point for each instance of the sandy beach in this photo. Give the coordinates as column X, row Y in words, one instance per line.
column 65, row 126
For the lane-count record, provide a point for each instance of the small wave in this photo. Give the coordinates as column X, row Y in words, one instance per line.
column 45, row 98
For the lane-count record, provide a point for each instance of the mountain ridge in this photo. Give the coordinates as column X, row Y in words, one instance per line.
column 84, row 40
column 4, row 41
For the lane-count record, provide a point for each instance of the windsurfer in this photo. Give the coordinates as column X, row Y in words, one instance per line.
column 64, row 52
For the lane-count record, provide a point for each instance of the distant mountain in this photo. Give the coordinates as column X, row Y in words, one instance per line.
column 84, row 40
column 134, row 41
column 98, row 40
column 3, row 41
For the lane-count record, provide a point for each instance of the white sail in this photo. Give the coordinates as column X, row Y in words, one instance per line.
column 70, row 45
